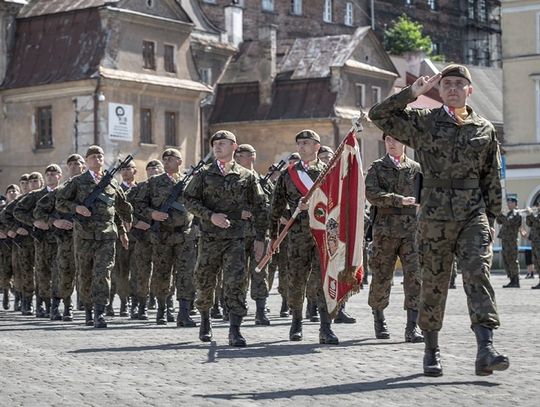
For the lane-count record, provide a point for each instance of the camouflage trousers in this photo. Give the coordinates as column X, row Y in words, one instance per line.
column 67, row 270
column 471, row 242
column 174, row 262
column 304, row 269
column 259, row 281
column 228, row 256
column 25, row 262
column 142, row 268
column 95, row 260
column 120, row 274
column 510, row 254
column 385, row 250
column 535, row 246
column 6, row 267
column 280, row 261
column 46, row 271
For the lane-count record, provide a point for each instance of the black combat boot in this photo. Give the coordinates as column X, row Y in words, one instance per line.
column 343, row 317
column 160, row 315
column 412, row 334
column 26, row 307
column 17, row 302
column 205, row 330
column 5, row 301
column 134, row 309
column 68, row 310
column 170, row 309
column 55, row 312
column 183, row 314
column 152, row 301
column 514, row 283
column 142, row 314
column 260, row 315
column 311, row 312
column 225, row 312
column 235, row 336
column 109, row 310
column 326, row 335
column 365, row 278
column 215, row 312
column 88, row 315
column 284, row 311
column 487, row 358
column 295, row 333
column 381, row 330
column 432, row 356
column 80, row 305
column 99, row 316
column 47, row 302
column 123, row 307
column 452, row 282
column 40, row 311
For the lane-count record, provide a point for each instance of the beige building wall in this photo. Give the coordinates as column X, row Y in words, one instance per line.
column 521, row 87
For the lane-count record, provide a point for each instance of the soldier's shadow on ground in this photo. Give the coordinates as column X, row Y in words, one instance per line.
column 395, row 383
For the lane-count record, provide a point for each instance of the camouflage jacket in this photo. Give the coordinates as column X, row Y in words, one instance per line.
column 46, row 210
column 461, row 164
column 286, row 197
column 24, row 212
column 212, row 192
column 105, row 223
column 533, row 221
column 386, row 186
column 250, row 229
column 134, row 195
column 150, row 198
column 510, row 224
column 11, row 223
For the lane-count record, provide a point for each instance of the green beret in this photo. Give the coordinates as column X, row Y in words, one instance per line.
column 23, row 177
column 325, row 149
column 245, row 148
column 75, row 157
column 222, row 135
column 94, row 150
column 35, row 175
column 171, row 152
column 53, row 168
column 15, row 187
column 308, row 135
column 154, row 163
column 457, row 70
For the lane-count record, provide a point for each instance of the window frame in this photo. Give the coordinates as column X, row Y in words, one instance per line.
column 296, row 7
column 151, row 64
column 173, row 61
column 41, row 129
column 268, row 5
column 349, row 14
column 146, row 138
column 328, row 8
column 378, row 91
column 360, row 90
column 168, row 135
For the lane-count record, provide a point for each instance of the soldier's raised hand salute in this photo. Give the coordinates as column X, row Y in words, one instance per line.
column 424, row 84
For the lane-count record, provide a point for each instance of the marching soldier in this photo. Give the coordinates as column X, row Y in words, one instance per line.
column 44, row 243
column 390, row 190
column 173, row 246
column 95, row 232
column 509, row 234
column 533, row 222
column 6, row 249
column 303, row 255
column 224, row 195
column 61, row 226
column 459, row 155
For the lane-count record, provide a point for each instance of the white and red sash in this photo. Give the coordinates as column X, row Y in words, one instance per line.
column 301, row 179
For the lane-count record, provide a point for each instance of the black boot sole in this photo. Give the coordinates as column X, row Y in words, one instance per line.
column 433, row 373
column 205, row 338
column 262, row 323
column 488, row 370
column 181, row 324
column 237, row 344
column 325, row 341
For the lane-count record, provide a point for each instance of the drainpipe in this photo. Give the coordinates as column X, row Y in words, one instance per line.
column 97, row 93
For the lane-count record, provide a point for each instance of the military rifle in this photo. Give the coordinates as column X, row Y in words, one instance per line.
column 273, row 168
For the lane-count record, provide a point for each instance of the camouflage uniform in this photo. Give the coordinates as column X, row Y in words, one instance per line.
column 394, row 231
column 6, row 268
column 211, row 192
column 460, row 199
column 95, row 236
column 509, row 233
column 533, row 221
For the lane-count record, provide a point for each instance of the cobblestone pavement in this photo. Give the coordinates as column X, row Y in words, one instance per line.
column 135, row 363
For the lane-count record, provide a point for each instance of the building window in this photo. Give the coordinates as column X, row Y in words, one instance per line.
column 360, row 94
column 206, row 75
column 349, row 14
column 168, row 53
column 268, row 5
column 170, row 129
column 296, row 7
column 482, row 11
column 435, row 48
column 473, row 56
column 327, row 12
column 44, row 127
column 150, row 3
column 375, row 94
column 471, row 5
column 432, row 4
column 149, row 55
column 146, row 126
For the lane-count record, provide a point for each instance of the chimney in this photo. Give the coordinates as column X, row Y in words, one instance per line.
column 8, row 13
column 267, row 62
column 234, row 21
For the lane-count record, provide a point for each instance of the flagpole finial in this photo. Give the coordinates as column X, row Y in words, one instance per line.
column 357, row 122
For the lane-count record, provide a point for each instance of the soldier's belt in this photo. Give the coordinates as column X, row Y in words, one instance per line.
column 397, row 211
column 452, row 183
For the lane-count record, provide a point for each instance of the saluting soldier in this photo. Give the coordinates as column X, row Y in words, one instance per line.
column 509, row 235
column 303, row 256
column 224, row 195
column 95, row 232
column 61, row 227
column 44, row 242
column 390, row 190
column 459, row 154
